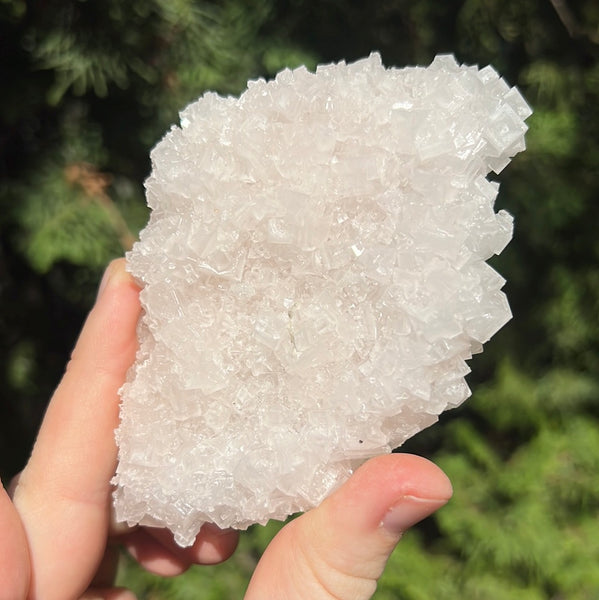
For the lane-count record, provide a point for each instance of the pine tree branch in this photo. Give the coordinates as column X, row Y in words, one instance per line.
column 94, row 184
column 574, row 28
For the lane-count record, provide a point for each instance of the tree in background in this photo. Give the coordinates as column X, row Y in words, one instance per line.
column 89, row 87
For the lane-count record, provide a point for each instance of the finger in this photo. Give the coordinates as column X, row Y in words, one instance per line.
column 108, row 594
column 63, row 493
column 152, row 555
column 14, row 558
column 107, row 569
column 340, row 549
column 212, row 545
column 156, row 550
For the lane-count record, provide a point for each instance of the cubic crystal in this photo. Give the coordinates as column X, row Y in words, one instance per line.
column 314, row 280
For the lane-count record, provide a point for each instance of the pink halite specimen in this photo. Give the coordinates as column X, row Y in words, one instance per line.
column 314, row 280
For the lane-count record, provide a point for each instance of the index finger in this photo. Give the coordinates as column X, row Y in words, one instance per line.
column 63, row 493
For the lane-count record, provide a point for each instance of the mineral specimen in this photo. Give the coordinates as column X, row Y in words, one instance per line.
column 314, row 279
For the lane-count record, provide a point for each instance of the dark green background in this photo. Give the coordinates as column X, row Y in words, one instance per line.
column 88, row 87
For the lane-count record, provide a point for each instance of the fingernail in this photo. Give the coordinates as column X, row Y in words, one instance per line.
column 105, row 279
column 409, row 511
column 115, row 271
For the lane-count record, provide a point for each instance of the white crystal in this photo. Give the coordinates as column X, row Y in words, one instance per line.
column 313, row 278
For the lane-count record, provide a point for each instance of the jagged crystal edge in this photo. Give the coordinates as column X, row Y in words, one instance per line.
column 314, row 280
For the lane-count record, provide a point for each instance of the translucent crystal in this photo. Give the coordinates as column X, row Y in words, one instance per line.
column 314, row 279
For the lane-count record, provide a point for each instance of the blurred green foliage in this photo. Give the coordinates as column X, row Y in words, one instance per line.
column 88, row 88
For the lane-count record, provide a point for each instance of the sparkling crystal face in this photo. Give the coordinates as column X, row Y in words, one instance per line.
column 314, row 280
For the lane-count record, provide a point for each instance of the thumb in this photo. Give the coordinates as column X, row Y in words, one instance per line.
column 340, row 549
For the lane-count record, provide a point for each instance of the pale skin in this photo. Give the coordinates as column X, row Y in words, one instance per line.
column 57, row 538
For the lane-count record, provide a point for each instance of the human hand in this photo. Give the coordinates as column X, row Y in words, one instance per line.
column 56, row 537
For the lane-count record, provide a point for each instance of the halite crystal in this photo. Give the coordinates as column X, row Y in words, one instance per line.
column 314, row 279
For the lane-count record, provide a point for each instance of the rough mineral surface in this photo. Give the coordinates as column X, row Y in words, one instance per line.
column 314, row 280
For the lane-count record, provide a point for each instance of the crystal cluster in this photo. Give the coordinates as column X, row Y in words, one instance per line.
column 314, row 280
